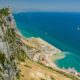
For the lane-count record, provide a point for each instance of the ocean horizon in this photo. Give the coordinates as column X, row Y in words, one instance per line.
column 62, row 30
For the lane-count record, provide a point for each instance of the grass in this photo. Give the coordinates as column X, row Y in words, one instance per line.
column 31, row 69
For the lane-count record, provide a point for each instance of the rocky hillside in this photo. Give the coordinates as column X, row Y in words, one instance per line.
column 25, row 59
column 10, row 47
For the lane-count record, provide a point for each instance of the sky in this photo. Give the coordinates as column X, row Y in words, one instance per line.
column 42, row 5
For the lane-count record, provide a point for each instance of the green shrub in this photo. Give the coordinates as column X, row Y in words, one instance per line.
column 2, row 58
column 21, row 56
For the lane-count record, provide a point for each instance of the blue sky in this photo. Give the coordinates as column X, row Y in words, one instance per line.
column 43, row 5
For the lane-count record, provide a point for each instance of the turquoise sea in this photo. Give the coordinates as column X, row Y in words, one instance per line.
column 59, row 29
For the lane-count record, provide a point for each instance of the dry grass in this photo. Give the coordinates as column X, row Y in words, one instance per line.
column 31, row 70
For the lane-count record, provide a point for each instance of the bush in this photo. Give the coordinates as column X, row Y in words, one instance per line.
column 2, row 58
column 21, row 56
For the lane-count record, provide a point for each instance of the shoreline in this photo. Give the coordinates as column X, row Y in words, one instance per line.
column 50, row 57
column 56, row 57
column 50, row 60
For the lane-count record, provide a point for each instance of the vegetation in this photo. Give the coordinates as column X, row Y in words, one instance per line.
column 4, row 12
column 21, row 55
column 14, row 52
column 37, row 68
column 2, row 58
column 9, row 66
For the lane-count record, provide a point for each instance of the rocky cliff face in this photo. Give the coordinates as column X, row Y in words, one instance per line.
column 8, row 46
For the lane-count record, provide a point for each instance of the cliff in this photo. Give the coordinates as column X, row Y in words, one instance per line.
column 26, row 58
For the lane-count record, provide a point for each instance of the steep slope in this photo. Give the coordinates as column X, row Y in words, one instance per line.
column 30, row 70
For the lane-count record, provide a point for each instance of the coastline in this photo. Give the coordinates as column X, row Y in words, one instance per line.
column 49, row 52
column 58, row 60
column 33, row 56
column 57, row 56
column 54, row 60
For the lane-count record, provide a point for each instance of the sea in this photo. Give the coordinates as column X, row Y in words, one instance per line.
column 61, row 29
